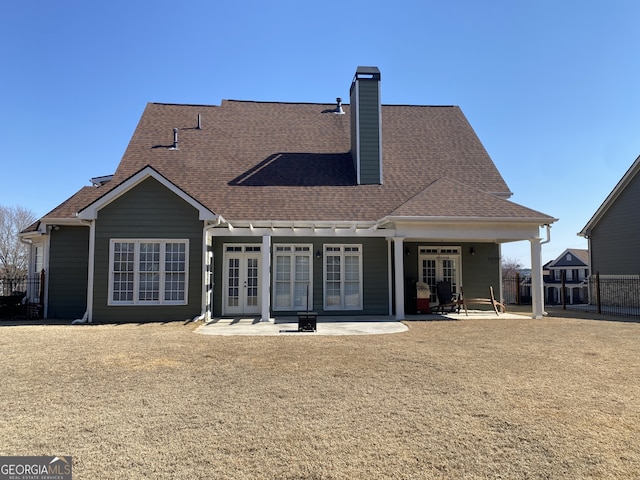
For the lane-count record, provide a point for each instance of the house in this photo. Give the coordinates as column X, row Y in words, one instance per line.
column 265, row 209
column 614, row 228
column 570, row 270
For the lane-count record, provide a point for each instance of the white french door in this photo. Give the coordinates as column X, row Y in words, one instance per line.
column 439, row 264
column 242, row 279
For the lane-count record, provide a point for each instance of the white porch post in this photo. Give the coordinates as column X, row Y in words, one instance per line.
column 537, row 299
column 398, row 256
column 266, row 278
column 91, row 269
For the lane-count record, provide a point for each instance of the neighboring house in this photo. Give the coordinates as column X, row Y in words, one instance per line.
column 265, row 209
column 613, row 231
column 572, row 269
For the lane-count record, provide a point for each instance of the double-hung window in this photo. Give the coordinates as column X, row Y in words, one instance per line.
column 148, row 272
column 292, row 277
column 342, row 277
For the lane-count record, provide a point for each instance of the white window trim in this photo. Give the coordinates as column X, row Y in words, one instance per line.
column 342, row 254
column 136, row 271
column 292, row 254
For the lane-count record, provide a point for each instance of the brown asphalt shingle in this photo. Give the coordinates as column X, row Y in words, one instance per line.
column 291, row 161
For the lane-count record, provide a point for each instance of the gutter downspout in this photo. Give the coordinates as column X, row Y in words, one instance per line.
column 548, row 235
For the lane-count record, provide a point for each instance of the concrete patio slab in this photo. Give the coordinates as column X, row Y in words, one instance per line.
column 328, row 325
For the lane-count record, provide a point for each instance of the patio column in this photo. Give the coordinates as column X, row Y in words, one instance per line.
column 398, row 257
column 91, row 269
column 537, row 299
column 265, row 277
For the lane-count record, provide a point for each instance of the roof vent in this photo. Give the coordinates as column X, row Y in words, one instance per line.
column 99, row 181
column 175, row 140
column 199, row 122
column 339, row 109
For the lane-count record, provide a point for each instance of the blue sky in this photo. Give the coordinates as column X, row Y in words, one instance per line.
column 550, row 86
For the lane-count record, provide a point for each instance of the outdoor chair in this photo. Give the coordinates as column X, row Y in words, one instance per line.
column 446, row 298
column 497, row 306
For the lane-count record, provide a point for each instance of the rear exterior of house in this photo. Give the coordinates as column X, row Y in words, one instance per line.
column 267, row 209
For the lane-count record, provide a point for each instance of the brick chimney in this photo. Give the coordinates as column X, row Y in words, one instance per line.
column 366, row 126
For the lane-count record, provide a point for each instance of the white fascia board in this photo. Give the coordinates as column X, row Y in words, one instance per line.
column 316, row 224
column 493, row 230
column 90, row 212
column 52, row 222
column 494, row 220
column 228, row 231
column 59, row 221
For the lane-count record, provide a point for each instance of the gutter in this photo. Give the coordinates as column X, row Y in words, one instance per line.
column 548, row 235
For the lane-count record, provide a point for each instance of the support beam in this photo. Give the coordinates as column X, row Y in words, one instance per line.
column 91, row 269
column 398, row 257
column 537, row 299
column 266, row 278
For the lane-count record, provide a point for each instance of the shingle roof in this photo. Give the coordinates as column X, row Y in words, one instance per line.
column 291, row 161
column 579, row 256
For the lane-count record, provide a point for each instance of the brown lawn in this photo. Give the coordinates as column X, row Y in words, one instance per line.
column 555, row 398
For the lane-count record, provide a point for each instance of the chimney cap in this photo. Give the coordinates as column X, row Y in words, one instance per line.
column 370, row 72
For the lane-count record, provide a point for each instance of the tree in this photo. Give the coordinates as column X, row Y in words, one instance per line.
column 510, row 280
column 14, row 254
column 510, row 267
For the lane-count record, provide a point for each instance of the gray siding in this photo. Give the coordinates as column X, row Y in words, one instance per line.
column 374, row 272
column 614, row 240
column 147, row 211
column 365, row 101
column 67, row 273
column 479, row 271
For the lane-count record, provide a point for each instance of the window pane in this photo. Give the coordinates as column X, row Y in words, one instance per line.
column 283, row 281
column 233, row 273
column 123, row 267
column 252, row 282
column 342, row 277
column 149, row 265
column 175, row 272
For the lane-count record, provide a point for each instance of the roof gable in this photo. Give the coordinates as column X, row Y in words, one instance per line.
column 571, row 257
column 90, row 211
column 449, row 198
column 629, row 177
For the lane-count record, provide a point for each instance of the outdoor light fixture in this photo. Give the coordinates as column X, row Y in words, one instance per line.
column 472, row 251
column 318, row 254
column 407, row 252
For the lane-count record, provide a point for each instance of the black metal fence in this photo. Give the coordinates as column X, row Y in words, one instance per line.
column 516, row 290
column 617, row 295
column 612, row 294
column 21, row 296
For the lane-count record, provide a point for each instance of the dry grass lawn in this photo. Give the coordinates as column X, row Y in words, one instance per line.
column 557, row 398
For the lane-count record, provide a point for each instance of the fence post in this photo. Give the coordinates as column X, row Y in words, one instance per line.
column 41, row 293
column 517, row 288
column 598, row 307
